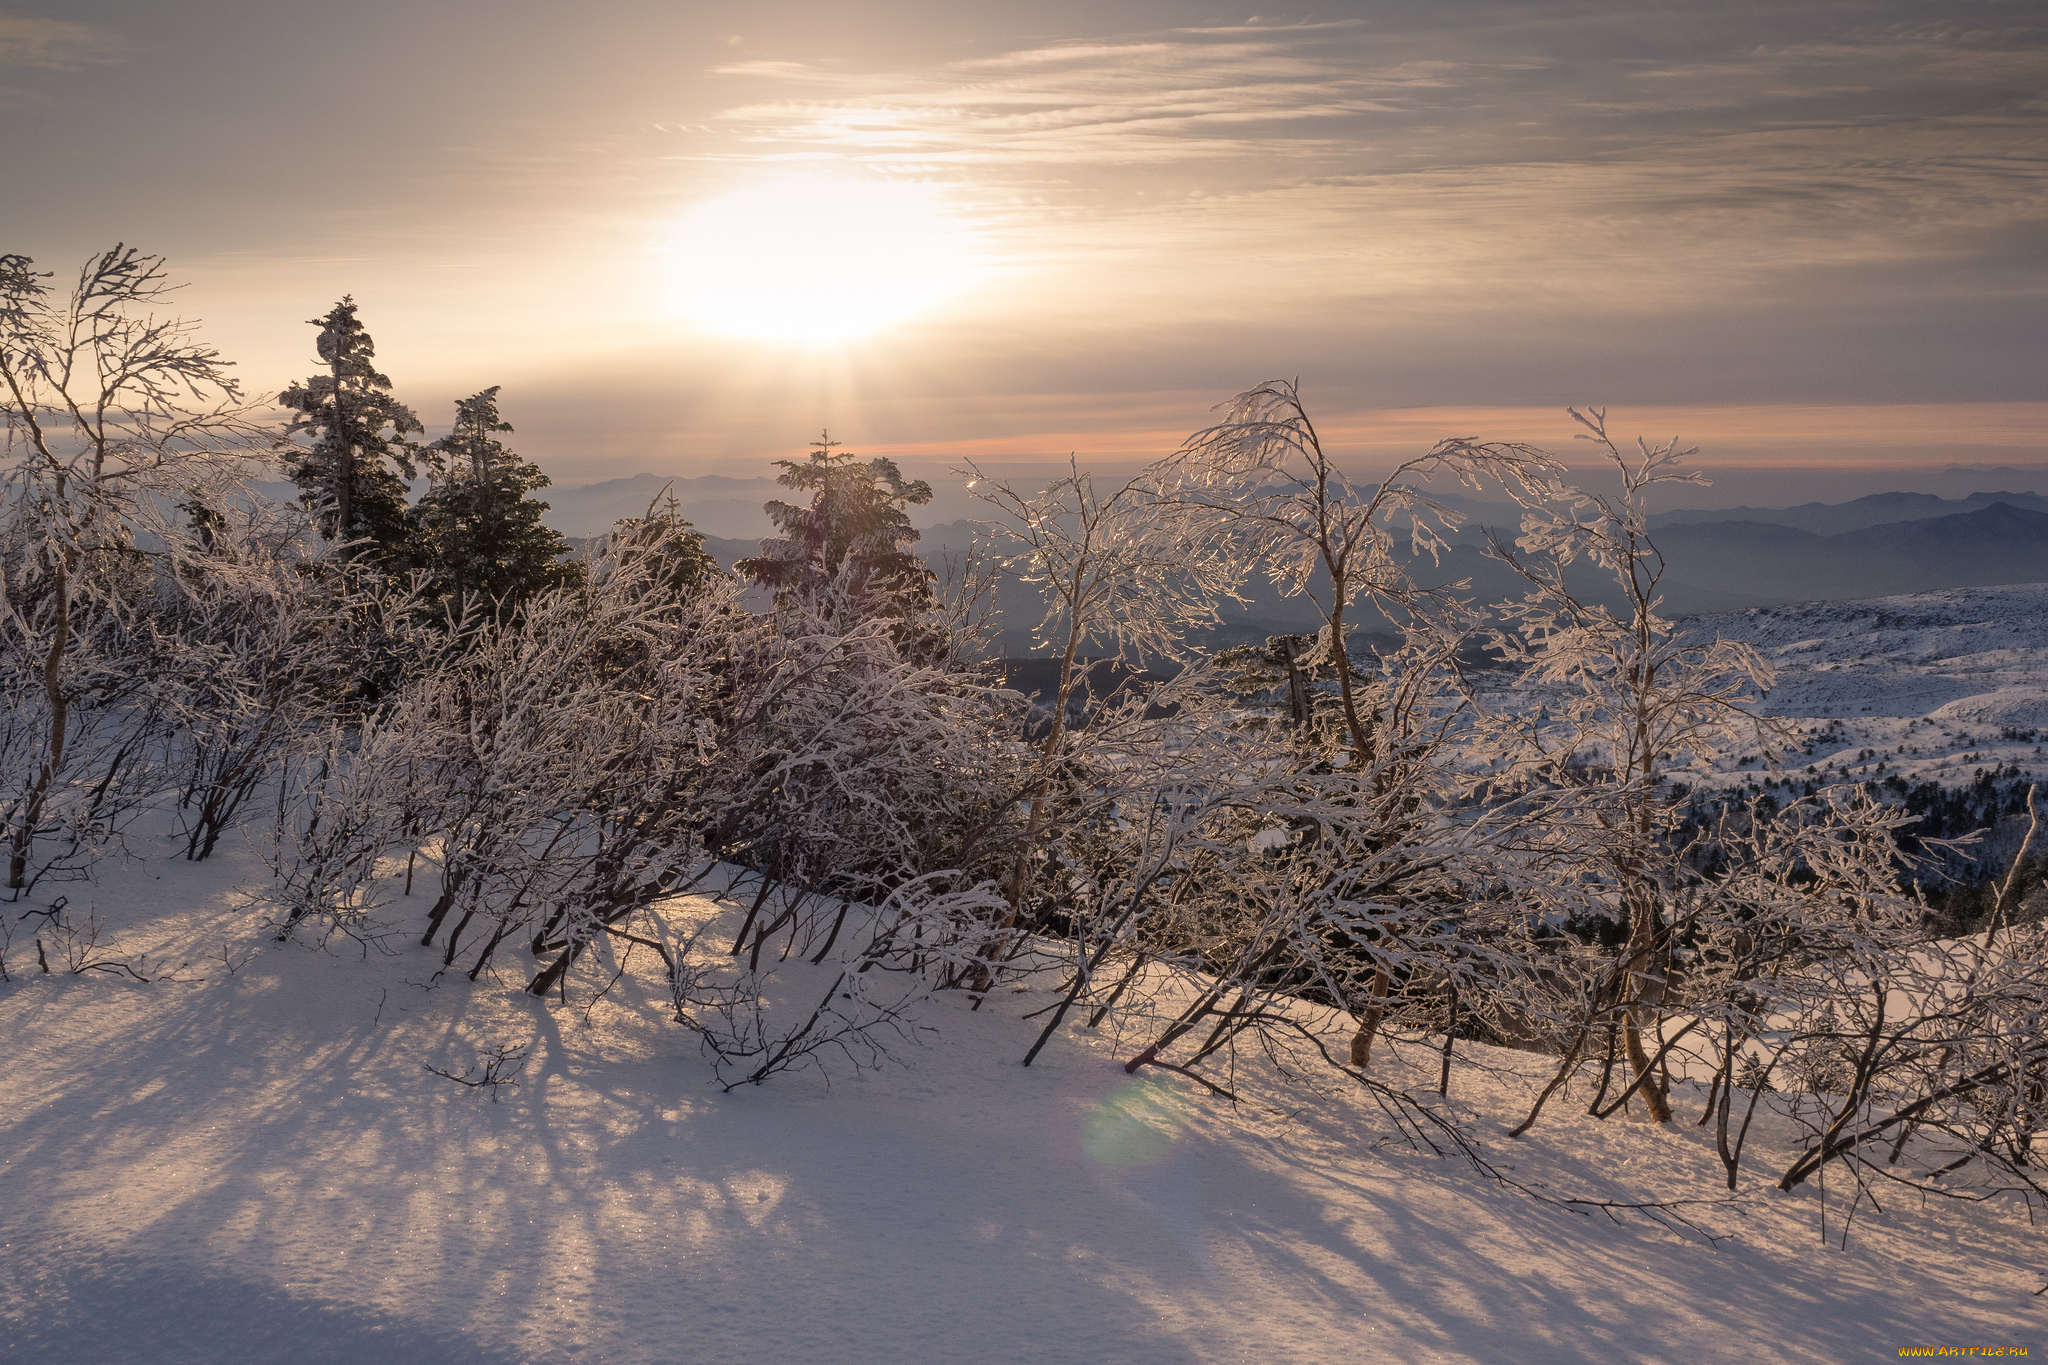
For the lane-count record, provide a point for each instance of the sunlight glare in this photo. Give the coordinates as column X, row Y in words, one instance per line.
column 818, row 259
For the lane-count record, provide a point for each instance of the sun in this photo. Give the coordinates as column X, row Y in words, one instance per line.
column 817, row 259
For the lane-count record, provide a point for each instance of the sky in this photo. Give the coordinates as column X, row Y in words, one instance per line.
column 1803, row 236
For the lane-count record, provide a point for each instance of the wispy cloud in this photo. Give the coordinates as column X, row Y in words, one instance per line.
column 777, row 70
column 56, row 44
column 1172, row 97
column 1714, row 153
column 1531, row 87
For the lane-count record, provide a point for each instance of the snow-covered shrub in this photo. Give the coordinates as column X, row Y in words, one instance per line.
column 1929, row 1056
column 875, row 797
column 1303, row 860
column 560, row 765
column 337, row 816
column 574, row 768
column 1767, row 943
column 106, row 406
column 259, row 624
column 80, row 724
column 1624, row 695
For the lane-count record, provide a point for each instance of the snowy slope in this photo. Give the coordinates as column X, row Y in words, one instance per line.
column 257, row 1167
column 1959, row 678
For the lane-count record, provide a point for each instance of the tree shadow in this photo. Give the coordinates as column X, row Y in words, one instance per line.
column 144, row 1312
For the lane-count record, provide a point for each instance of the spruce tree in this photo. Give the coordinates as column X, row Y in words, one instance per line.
column 674, row 548
column 1281, row 665
column 477, row 533
column 353, row 472
column 845, row 553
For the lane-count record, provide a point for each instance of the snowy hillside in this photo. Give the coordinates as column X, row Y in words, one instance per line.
column 1933, row 685
column 252, row 1163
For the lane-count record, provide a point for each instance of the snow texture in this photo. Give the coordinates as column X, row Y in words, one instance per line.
column 258, row 1166
column 1951, row 675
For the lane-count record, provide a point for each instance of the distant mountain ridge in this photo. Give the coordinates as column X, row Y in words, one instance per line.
column 1831, row 519
column 1717, row 566
column 1710, row 566
column 713, row 503
column 1717, row 559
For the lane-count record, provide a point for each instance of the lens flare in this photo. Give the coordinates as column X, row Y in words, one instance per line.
column 1135, row 1124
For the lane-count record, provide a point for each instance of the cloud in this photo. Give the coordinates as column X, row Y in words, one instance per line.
column 773, row 70
column 1173, row 97
column 1477, row 86
column 57, row 44
column 1474, row 157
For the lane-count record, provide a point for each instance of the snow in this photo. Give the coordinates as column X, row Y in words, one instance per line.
column 1947, row 674
column 258, row 1166
column 1972, row 655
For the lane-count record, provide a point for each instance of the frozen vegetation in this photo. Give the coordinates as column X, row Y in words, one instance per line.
column 420, row 943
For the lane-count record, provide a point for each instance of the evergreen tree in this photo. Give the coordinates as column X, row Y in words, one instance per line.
column 681, row 561
column 351, row 472
column 846, row 553
column 1285, row 665
column 477, row 533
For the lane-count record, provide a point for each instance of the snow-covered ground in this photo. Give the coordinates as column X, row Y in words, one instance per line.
column 1934, row 685
column 257, row 1166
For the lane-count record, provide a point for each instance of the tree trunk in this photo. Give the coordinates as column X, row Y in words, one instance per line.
column 1641, row 1013
column 22, row 837
column 1369, row 1022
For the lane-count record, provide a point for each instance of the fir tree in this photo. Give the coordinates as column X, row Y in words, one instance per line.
column 1288, row 668
column 350, row 474
column 681, row 561
column 477, row 533
column 846, row 553
column 206, row 521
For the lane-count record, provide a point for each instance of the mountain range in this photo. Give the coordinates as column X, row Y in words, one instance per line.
column 1720, row 565
column 1716, row 559
column 1830, row 519
column 716, row 505
column 1735, row 562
